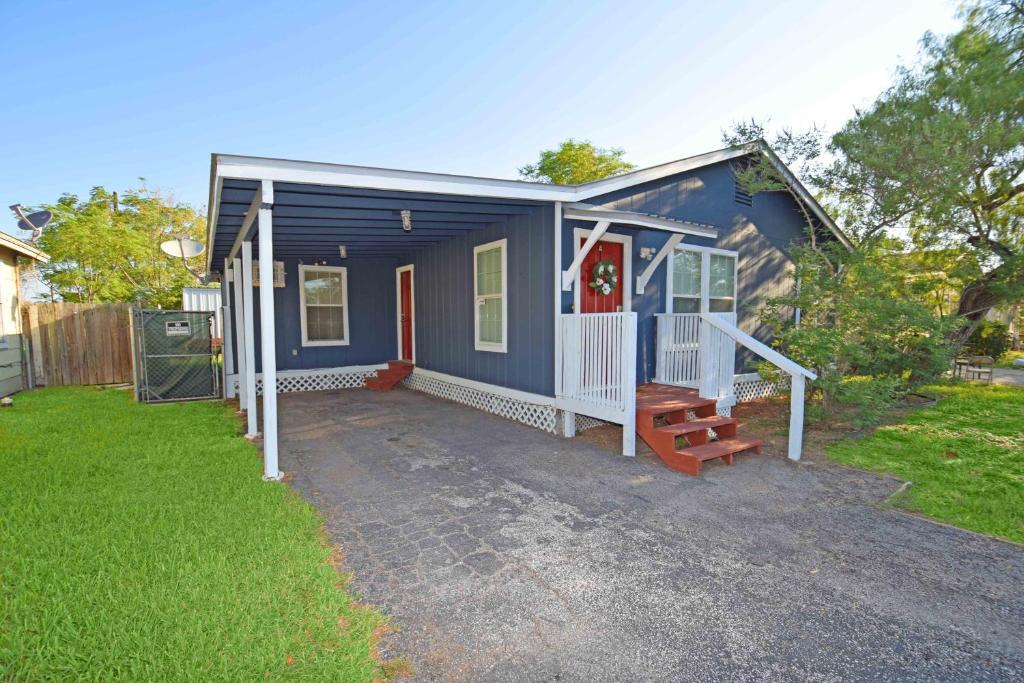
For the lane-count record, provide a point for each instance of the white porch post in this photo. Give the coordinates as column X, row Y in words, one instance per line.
column 568, row 417
column 796, row 416
column 267, row 331
column 240, row 330
column 227, row 350
column 249, row 341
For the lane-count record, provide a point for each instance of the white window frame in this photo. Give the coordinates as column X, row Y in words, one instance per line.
column 477, row 299
column 344, row 303
column 705, row 277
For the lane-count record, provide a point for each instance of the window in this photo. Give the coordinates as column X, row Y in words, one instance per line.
column 490, row 280
column 695, row 269
column 324, row 305
column 686, row 276
column 722, row 283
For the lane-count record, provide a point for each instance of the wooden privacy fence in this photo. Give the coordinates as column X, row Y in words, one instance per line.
column 78, row 343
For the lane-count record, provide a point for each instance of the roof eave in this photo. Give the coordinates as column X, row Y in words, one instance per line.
column 24, row 248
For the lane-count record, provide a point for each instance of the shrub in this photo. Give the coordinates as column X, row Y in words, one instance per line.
column 860, row 317
column 991, row 338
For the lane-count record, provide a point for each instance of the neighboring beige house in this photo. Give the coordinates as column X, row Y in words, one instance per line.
column 12, row 353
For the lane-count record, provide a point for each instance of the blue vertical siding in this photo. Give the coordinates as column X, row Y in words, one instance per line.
column 760, row 233
column 444, row 306
column 371, row 317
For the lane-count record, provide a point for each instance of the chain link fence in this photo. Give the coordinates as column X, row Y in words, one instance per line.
column 175, row 355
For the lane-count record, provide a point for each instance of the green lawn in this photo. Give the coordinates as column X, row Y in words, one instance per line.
column 965, row 457
column 139, row 542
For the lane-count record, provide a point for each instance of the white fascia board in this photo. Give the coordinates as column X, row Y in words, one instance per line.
column 23, row 248
column 310, row 172
column 619, row 182
column 585, row 212
column 212, row 209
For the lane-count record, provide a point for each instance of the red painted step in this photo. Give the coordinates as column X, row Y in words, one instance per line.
column 667, row 414
column 385, row 380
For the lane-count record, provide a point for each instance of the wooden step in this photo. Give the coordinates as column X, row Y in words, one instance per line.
column 723, row 448
column 386, row 379
column 690, row 426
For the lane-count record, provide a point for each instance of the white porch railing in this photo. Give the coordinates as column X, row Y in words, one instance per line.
column 711, row 366
column 692, row 354
column 598, row 369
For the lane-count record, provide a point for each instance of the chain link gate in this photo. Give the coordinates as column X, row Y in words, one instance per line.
column 175, row 358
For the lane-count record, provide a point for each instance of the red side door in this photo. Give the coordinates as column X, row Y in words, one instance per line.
column 593, row 300
column 405, row 315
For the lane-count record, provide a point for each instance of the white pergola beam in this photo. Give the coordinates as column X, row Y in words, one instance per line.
column 249, row 342
column 645, row 277
column 247, row 221
column 569, row 276
column 268, row 329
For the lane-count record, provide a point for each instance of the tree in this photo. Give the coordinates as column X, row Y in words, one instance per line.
column 940, row 156
column 106, row 248
column 575, row 162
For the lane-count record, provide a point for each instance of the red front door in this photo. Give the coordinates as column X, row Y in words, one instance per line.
column 405, row 314
column 593, row 300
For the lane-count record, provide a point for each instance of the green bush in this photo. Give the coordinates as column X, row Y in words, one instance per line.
column 991, row 338
column 861, row 317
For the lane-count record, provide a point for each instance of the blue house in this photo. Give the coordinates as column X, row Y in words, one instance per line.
column 632, row 300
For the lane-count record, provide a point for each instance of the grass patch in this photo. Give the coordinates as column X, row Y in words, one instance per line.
column 139, row 542
column 965, row 457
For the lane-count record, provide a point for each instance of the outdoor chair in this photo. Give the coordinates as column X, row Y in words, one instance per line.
column 980, row 368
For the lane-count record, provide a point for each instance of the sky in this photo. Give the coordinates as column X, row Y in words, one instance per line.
column 100, row 93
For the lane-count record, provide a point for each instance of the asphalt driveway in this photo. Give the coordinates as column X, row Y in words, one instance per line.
column 504, row 553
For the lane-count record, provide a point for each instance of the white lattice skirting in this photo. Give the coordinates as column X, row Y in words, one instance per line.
column 321, row 379
column 542, row 417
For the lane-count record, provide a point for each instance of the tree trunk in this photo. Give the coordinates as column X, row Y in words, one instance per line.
column 976, row 300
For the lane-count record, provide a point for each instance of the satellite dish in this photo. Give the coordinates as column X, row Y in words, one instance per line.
column 35, row 221
column 182, row 247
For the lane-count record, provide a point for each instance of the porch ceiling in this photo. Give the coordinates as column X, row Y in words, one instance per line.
column 310, row 221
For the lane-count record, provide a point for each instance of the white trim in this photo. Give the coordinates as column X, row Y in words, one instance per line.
column 581, row 253
column 284, row 170
column 346, row 340
column 23, row 248
column 586, row 212
column 412, row 307
column 670, row 244
column 627, row 266
column 506, row 392
column 477, row 343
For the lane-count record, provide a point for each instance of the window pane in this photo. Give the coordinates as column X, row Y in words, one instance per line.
column 685, row 305
column 490, row 320
column 721, row 305
column 723, row 276
column 488, row 272
column 325, row 323
column 322, row 287
column 686, row 273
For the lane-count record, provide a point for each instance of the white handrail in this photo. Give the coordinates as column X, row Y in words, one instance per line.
column 766, row 352
column 796, row 390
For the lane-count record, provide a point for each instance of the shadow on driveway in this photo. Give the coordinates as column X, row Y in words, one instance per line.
column 503, row 553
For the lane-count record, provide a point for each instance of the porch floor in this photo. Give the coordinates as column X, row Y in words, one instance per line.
column 502, row 552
